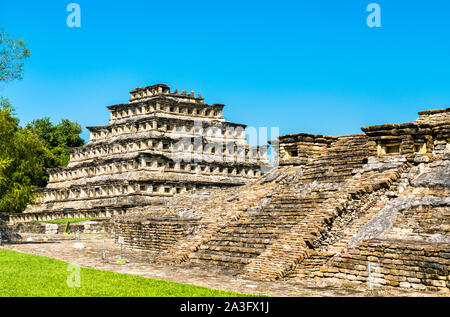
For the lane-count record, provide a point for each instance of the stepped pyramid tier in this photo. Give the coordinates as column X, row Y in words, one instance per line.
column 159, row 144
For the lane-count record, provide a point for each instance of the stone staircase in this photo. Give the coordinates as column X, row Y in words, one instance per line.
column 221, row 211
column 295, row 205
column 241, row 241
column 337, row 238
column 301, row 245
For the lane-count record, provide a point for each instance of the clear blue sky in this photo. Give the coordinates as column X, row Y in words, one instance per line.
column 304, row 66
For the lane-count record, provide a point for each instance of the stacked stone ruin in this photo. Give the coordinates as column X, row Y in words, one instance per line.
column 368, row 208
column 335, row 207
column 159, row 144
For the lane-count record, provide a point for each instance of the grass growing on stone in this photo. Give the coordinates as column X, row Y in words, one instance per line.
column 29, row 275
column 71, row 220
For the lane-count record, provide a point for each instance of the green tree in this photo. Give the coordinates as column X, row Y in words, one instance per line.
column 12, row 54
column 26, row 153
column 21, row 151
column 57, row 139
column 21, row 165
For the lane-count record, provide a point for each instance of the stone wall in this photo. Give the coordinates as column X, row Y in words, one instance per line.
column 398, row 263
column 91, row 226
column 7, row 233
column 153, row 234
column 298, row 149
column 434, row 116
column 71, row 214
column 428, row 135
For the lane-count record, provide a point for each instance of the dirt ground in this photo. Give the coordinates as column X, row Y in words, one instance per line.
column 96, row 246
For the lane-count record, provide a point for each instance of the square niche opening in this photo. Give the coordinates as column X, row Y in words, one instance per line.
column 292, row 153
column 389, row 149
column 393, row 149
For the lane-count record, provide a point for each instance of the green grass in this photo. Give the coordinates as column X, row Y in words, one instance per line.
column 35, row 276
column 70, row 220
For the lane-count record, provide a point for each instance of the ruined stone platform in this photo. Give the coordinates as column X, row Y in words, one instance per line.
column 328, row 203
column 338, row 214
column 139, row 263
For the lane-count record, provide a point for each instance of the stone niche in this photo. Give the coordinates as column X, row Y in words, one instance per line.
column 428, row 135
column 302, row 147
column 388, row 148
column 409, row 139
column 406, row 144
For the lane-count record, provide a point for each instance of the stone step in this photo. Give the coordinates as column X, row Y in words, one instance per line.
column 281, row 211
column 262, row 222
column 243, row 244
column 204, row 258
column 273, row 219
column 331, row 174
column 229, row 252
column 244, row 234
column 347, row 163
column 235, row 239
column 227, row 263
column 282, row 201
column 225, row 249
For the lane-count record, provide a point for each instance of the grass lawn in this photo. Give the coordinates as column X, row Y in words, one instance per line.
column 70, row 220
column 36, row 276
